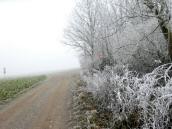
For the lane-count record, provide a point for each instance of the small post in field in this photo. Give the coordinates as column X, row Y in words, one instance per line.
column 4, row 71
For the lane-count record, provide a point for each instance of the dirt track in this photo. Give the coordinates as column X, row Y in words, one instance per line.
column 44, row 107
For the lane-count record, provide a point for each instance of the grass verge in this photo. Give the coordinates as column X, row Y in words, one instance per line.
column 84, row 111
column 11, row 87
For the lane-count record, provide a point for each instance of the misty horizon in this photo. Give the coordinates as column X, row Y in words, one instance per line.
column 30, row 37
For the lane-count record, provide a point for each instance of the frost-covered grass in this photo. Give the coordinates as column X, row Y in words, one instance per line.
column 84, row 114
column 9, row 88
column 133, row 101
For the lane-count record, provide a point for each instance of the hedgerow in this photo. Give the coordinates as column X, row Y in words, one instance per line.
column 127, row 100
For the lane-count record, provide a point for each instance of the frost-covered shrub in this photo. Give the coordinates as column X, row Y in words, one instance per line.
column 144, row 60
column 155, row 97
column 135, row 102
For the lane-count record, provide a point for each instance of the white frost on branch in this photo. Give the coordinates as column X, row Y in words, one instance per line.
column 124, row 93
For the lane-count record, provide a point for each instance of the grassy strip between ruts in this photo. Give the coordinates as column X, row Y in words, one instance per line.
column 9, row 88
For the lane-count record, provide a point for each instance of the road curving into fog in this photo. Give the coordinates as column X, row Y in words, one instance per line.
column 44, row 107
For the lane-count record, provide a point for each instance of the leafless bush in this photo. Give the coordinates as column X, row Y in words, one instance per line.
column 134, row 101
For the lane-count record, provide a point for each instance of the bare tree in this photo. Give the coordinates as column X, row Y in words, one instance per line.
column 82, row 30
column 160, row 9
column 138, row 11
column 89, row 32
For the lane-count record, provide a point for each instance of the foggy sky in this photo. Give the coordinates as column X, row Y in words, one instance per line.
column 31, row 32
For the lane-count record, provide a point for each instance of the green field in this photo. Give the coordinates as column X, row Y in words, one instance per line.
column 9, row 88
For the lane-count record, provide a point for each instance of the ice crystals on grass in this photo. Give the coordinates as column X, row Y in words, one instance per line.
column 124, row 93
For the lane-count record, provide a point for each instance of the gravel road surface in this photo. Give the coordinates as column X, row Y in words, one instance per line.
column 43, row 107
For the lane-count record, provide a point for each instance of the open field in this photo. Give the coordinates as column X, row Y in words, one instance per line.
column 9, row 88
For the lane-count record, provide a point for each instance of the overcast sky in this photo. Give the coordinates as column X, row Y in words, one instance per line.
column 30, row 36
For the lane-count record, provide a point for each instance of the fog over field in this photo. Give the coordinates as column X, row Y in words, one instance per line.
column 31, row 34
